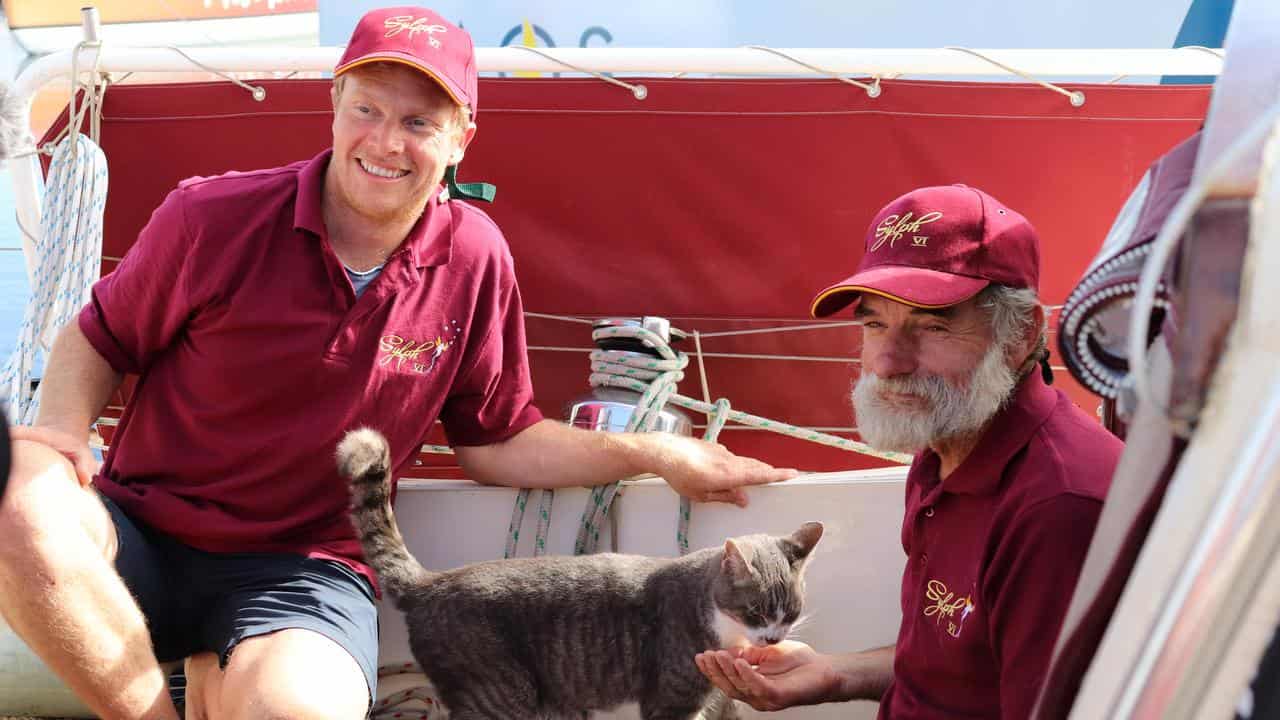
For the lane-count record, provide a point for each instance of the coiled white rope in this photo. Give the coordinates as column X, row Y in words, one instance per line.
column 68, row 249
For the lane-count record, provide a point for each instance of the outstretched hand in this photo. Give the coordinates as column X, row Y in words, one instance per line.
column 74, row 450
column 708, row 472
column 772, row 677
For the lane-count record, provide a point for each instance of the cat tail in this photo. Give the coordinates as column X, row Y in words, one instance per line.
column 365, row 459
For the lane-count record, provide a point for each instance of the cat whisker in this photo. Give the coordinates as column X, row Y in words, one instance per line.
column 798, row 625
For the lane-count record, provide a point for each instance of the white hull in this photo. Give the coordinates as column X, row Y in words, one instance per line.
column 853, row 581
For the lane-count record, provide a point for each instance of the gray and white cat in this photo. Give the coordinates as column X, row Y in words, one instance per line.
column 554, row 637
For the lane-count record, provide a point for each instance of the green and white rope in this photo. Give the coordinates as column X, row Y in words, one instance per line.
column 655, row 379
column 715, row 424
column 517, row 521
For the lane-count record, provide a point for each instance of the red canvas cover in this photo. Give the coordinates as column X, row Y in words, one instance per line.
column 723, row 204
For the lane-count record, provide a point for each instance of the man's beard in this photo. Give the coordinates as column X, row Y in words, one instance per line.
column 948, row 412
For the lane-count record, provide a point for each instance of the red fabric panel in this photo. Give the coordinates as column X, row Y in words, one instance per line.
column 723, row 204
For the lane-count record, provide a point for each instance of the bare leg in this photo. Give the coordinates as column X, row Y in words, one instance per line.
column 202, row 671
column 295, row 674
column 58, row 544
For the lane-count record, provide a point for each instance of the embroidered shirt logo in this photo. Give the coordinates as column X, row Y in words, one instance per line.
column 412, row 25
column 946, row 605
column 892, row 228
column 421, row 355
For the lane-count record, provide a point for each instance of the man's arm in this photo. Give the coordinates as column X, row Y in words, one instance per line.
column 792, row 673
column 551, row 454
column 76, row 386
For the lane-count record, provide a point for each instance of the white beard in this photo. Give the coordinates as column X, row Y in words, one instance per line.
column 949, row 412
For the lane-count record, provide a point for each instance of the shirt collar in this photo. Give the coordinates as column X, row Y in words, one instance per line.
column 1010, row 431
column 429, row 243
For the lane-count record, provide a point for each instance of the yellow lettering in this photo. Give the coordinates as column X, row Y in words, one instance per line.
column 395, row 347
column 408, row 23
column 944, row 602
column 892, row 228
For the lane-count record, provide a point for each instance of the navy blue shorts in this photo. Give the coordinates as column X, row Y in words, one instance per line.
column 196, row 601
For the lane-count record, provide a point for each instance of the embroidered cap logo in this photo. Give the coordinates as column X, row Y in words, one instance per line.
column 412, row 25
column 892, row 228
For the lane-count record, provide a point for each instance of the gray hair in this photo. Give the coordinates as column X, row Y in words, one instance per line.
column 1010, row 310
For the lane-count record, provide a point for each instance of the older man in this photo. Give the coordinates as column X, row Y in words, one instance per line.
column 266, row 313
column 1007, row 483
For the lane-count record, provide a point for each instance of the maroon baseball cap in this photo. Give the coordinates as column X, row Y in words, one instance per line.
column 421, row 39
column 939, row 246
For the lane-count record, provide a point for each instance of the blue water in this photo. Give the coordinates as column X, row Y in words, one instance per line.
column 14, row 289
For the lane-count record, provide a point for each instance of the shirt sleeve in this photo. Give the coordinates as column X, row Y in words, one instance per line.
column 1029, row 584
column 140, row 307
column 494, row 400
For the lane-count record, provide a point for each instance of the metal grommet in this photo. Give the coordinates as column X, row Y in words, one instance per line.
column 259, row 93
column 641, row 92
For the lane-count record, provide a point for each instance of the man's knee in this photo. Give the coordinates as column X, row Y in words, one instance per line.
column 295, row 674
column 38, row 471
column 43, row 502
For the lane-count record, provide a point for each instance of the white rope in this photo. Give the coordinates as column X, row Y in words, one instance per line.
column 872, row 89
column 258, row 92
column 564, row 318
column 68, row 249
column 786, row 328
column 845, row 359
column 640, row 92
column 702, row 367
column 1212, row 51
column 1075, row 96
column 1200, row 48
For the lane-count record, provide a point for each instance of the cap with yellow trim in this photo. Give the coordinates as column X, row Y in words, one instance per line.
column 939, row 246
column 421, row 39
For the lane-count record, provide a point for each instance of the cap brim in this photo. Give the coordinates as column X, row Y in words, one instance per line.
column 454, row 91
column 913, row 286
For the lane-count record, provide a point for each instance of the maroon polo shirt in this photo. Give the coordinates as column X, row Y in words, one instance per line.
column 993, row 553
column 254, row 356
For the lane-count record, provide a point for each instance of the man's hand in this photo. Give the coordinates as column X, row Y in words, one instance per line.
column 73, row 449
column 707, row 472
column 773, row 677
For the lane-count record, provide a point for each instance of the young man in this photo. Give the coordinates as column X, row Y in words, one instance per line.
column 1005, row 489
column 266, row 313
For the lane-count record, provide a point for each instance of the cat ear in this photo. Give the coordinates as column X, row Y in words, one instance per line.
column 801, row 542
column 736, row 563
